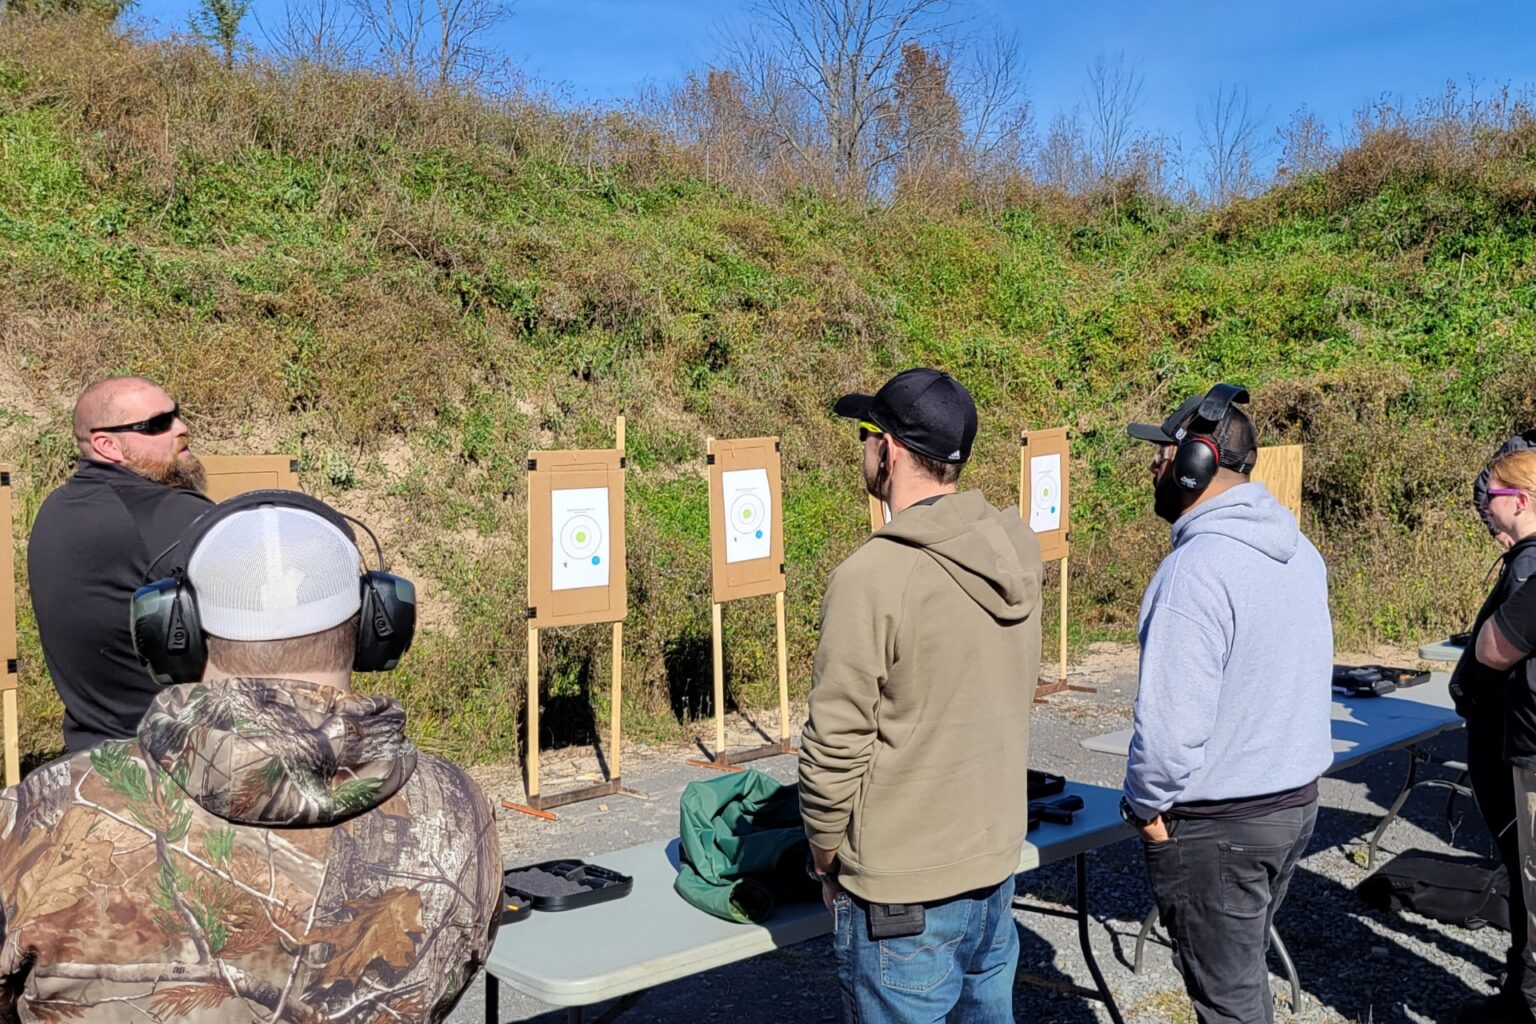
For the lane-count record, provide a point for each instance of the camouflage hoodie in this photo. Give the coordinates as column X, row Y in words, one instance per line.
column 268, row 850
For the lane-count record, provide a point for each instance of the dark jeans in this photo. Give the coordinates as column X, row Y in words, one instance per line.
column 1494, row 790
column 960, row 968
column 1217, row 885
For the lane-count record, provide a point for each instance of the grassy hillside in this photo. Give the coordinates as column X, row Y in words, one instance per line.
column 412, row 292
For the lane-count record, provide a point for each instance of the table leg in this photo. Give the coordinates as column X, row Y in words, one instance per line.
column 1141, row 939
column 1290, row 968
column 492, row 999
column 1414, row 757
column 1083, row 939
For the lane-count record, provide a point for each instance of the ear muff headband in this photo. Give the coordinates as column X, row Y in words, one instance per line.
column 1202, row 441
column 167, row 632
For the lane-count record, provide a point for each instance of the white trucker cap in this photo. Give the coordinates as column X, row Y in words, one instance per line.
column 272, row 573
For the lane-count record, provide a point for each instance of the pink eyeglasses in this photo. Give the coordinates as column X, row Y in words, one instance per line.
column 1494, row 492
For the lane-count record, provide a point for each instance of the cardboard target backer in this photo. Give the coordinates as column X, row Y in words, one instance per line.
column 746, row 521
column 576, row 569
column 1278, row 468
column 229, row 475
column 1045, row 490
column 879, row 513
column 7, row 586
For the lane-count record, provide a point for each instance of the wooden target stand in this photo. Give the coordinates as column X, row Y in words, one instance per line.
column 10, row 723
column 229, row 475
column 742, row 472
column 570, row 594
column 1045, row 494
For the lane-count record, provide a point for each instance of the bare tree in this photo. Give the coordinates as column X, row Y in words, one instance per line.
column 315, row 32
column 433, row 42
column 1305, row 145
column 1062, row 161
column 839, row 58
column 1229, row 136
column 989, row 86
column 1114, row 100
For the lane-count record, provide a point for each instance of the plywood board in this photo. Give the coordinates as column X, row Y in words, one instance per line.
column 229, row 475
column 879, row 513
column 746, row 518
column 1278, row 468
column 576, row 557
column 1045, row 489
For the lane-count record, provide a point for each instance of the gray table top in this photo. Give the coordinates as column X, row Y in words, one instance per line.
column 1441, row 650
column 1362, row 726
column 651, row 936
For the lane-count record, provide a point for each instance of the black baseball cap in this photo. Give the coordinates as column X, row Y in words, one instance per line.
column 1167, row 433
column 928, row 411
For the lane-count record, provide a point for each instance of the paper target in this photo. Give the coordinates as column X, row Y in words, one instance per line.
column 580, row 555
column 1045, row 493
column 748, row 514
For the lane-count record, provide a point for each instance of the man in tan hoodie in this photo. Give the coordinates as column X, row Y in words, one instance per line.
column 913, row 762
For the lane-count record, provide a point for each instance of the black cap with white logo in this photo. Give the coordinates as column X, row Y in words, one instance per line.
column 928, row 411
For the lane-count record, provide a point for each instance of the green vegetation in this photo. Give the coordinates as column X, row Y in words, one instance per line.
column 412, row 291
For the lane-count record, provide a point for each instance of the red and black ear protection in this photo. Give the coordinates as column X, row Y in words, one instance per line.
column 1201, row 451
column 167, row 631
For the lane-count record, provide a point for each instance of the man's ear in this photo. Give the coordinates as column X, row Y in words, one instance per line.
column 106, row 448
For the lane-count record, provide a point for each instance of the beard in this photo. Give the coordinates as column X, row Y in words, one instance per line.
column 1168, row 498
column 183, row 472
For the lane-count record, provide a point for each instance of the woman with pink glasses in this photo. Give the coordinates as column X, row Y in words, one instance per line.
column 1494, row 686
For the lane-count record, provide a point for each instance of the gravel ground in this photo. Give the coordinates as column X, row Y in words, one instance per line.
column 1355, row 964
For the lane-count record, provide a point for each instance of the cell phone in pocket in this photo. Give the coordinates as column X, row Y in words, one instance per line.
column 895, row 920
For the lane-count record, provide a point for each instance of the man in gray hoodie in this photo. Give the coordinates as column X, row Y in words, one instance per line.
column 1232, row 707
column 914, row 759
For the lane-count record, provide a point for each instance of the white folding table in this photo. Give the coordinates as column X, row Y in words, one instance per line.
column 621, row 949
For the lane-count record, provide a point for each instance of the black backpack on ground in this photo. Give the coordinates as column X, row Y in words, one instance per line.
column 1463, row 891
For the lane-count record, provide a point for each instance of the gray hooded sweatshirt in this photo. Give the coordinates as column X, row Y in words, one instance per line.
column 913, row 762
column 1236, row 659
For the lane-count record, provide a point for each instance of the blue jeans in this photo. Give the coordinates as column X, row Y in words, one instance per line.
column 960, row 968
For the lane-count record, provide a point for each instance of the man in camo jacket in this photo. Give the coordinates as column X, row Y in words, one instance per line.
column 270, row 847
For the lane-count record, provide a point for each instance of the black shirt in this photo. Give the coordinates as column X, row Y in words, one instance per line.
column 90, row 549
column 1516, row 616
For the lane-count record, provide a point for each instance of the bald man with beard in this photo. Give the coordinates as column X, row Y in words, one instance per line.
column 136, row 488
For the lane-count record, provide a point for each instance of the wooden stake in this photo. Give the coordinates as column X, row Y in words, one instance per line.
column 718, row 654
column 778, row 615
column 616, row 722
column 533, row 714
column 12, row 741
column 1065, row 562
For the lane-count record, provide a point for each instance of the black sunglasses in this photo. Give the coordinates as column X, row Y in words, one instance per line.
column 157, row 424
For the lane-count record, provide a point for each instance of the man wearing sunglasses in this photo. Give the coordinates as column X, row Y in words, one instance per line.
column 136, row 488
column 914, row 759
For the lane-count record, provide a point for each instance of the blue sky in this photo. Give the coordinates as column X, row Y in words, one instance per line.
column 1331, row 56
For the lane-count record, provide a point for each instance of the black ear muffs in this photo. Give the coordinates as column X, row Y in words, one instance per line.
column 1196, row 462
column 386, row 624
column 167, row 631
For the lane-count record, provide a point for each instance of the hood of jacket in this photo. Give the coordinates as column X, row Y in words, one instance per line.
column 979, row 546
column 1248, row 514
column 278, row 752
